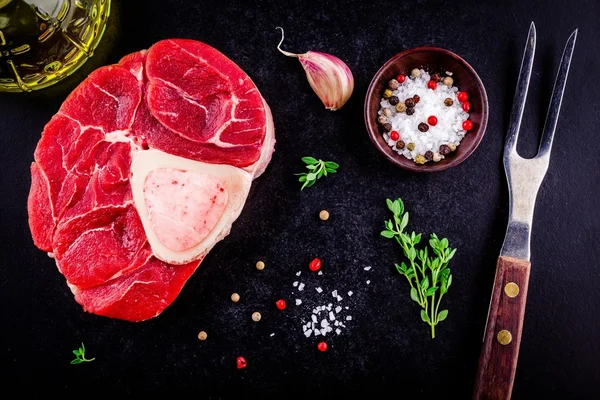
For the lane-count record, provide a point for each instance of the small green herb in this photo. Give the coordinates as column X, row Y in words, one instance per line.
column 428, row 275
column 316, row 170
column 80, row 356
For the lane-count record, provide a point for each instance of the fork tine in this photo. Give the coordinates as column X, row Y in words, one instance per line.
column 521, row 92
column 557, row 95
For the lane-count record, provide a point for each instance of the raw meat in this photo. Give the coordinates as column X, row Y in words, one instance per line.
column 143, row 170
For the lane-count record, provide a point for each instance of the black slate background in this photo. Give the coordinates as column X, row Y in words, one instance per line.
column 386, row 348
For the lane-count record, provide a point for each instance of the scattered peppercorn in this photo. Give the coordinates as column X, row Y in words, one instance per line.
column 415, row 73
column 437, row 157
column 235, row 297
column 448, row 101
column 394, row 135
column 241, row 362
column 466, row 106
column 256, row 316
column 432, row 120
column 416, row 98
column 202, row 335
column 423, row 127
column 394, row 100
column 462, row 96
column 281, row 304
column 387, row 93
column 451, row 146
column 400, row 107
column 429, row 155
column 444, row 149
column 400, row 144
column 260, row 265
column 324, row 215
column 386, row 127
column 401, row 78
column 410, row 146
column 467, row 125
column 410, row 102
column 432, row 85
column 410, row 110
column 315, row 265
column 436, row 77
column 382, row 119
column 322, row 346
column 387, row 112
column 393, row 84
column 420, row 159
column 448, row 81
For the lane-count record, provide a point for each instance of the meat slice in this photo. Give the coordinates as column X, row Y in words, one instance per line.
column 143, row 170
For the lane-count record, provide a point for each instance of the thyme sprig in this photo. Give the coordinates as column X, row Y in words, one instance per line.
column 316, row 170
column 80, row 356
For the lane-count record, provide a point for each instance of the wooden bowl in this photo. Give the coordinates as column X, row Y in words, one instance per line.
column 431, row 59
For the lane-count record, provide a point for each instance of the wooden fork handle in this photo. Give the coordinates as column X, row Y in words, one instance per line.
column 498, row 359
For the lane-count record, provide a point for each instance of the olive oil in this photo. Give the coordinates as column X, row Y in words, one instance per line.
column 44, row 41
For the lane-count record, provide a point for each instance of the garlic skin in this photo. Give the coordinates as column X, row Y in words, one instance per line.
column 328, row 76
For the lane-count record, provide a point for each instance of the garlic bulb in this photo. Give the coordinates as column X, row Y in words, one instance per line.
column 330, row 77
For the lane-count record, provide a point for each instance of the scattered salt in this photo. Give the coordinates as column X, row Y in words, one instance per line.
column 301, row 287
column 308, row 333
column 314, row 318
column 338, row 331
column 367, row 268
column 339, row 298
column 295, row 284
column 317, row 332
column 338, row 309
column 319, row 289
column 331, row 315
column 368, row 282
column 350, row 293
column 272, row 334
column 349, row 318
column 320, row 273
column 324, row 324
column 334, row 293
column 298, row 302
column 298, row 273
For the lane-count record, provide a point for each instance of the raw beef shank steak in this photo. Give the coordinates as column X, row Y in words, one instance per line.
column 143, row 169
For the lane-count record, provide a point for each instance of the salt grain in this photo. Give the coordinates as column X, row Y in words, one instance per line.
column 295, row 284
column 338, row 309
column 368, row 282
column 338, row 331
column 298, row 273
column 308, row 333
column 367, row 268
column 350, row 293
column 349, row 318
column 334, row 293
column 301, row 287
column 319, row 290
column 331, row 315
column 320, row 273
column 298, row 302
column 272, row 334
column 339, row 298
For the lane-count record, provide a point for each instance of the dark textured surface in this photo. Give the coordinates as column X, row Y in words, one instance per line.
column 386, row 347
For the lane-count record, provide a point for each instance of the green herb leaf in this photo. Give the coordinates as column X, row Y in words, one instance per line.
column 80, row 356
column 311, row 167
column 332, row 165
column 425, row 283
column 414, row 295
column 387, row 234
column 310, row 160
column 302, row 178
column 442, row 315
column 390, row 205
column 424, row 316
column 431, row 291
column 330, row 170
column 404, row 222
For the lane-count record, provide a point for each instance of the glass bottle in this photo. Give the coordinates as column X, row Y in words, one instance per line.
column 44, row 41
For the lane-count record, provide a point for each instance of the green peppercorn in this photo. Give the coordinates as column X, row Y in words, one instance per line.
column 400, row 144
column 410, row 146
column 420, row 159
column 429, row 155
column 387, row 93
column 393, row 84
column 437, row 157
column 410, row 110
column 415, row 73
column 448, row 101
column 410, row 102
column 387, row 112
column 448, row 81
column 444, row 149
column 400, row 107
column 394, row 100
column 382, row 119
column 423, row 127
column 451, row 146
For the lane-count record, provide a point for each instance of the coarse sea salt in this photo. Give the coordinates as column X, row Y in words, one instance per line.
column 298, row 302
column 448, row 129
column 301, row 287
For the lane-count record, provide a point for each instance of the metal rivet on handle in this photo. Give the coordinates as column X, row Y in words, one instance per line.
column 504, row 337
column 511, row 289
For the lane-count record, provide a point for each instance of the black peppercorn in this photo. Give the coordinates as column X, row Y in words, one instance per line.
column 423, row 127
column 429, row 155
column 394, row 100
column 400, row 144
column 436, row 77
column 416, row 98
column 386, row 127
column 409, row 102
column 444, row 149
column 410, row 110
